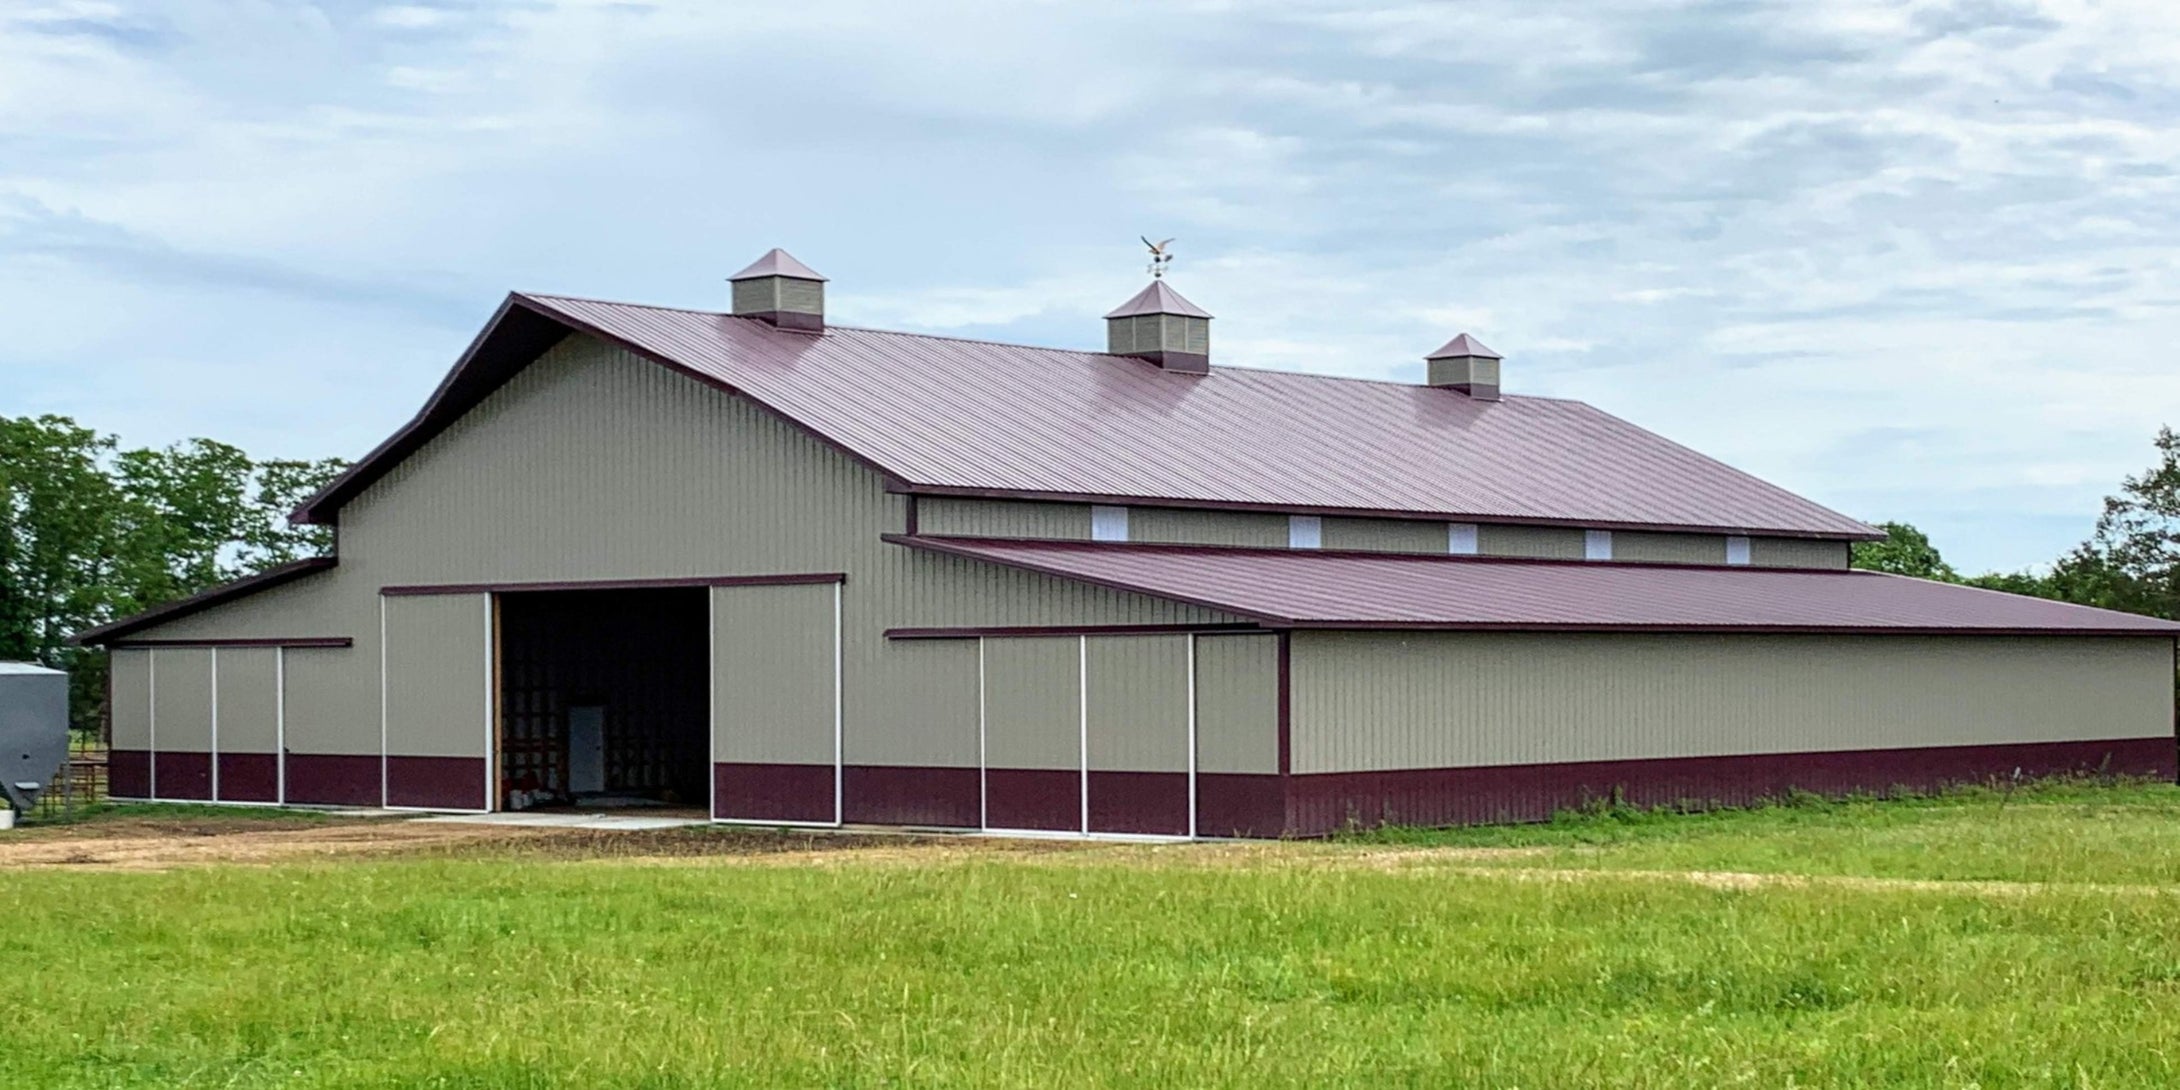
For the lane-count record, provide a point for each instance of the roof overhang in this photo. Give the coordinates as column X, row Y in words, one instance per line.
column 1317, row 589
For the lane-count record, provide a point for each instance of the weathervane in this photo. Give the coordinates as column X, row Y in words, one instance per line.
column 1159, row 257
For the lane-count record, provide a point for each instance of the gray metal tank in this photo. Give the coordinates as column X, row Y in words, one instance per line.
column 33, row 730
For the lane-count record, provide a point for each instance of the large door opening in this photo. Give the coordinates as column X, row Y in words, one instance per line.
column 604, row 698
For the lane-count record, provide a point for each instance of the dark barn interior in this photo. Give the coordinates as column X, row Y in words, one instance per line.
column 603, row 697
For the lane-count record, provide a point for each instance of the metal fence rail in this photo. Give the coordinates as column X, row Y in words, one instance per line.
column 81, row 781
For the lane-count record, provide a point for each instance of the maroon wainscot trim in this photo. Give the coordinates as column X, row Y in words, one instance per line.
column 1145, row 803
column 435, row 783
column 128, row 773
column 772, row 792
column 1033, row 798
column 180, row 775
column 334, row 779
column 1324, row 802
column 1237, row 805
column 249, row 777
column 943, row 798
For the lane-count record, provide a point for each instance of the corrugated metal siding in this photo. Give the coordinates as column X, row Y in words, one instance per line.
column 1175, row 525
column 1237, row 704
column 1385, row 535
column 772, row 674
column 932, row 715
column 1796, row 552
column 594, row 464
column 332, row 700
column 131, row 709
column 948, row 516
column 1372, row 701
column 1548, row 542
column 1138, row 703
column 438, row 662
column 1033, row 702
column 1650, row 548
column 182, row 699
column 249, row 700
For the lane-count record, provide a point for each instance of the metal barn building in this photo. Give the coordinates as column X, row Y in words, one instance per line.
column 807, row 574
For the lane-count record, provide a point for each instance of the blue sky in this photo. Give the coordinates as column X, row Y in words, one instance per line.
column 1916, row 261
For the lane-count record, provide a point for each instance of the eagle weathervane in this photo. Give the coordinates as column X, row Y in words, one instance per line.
column 1160, row 256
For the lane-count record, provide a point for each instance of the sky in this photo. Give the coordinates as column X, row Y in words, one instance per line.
column 1915, row 261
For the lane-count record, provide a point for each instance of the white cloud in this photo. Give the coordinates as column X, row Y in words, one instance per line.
column 1917, row 260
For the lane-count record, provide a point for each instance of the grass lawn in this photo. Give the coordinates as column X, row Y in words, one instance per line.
column 1402, row 959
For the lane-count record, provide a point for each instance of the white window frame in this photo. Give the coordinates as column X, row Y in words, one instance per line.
column 1596, row 544
column 1108, row 523
column 1305, row 532
column 1461, row 539
column 1737, row 550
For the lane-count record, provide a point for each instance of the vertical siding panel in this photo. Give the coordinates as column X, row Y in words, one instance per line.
column 966, row 517
column 1183, row 526
column 772, row 674
column 129, row 758
column 1032, row 716
column 1544, row 542
column 1138, row 703
column 1385, row 535
column 436, row 731
column 181, row 759
column 1794, row 552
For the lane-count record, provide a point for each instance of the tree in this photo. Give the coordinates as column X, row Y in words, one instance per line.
column 90, row 532
column 1905, row 551
column 2133, row 561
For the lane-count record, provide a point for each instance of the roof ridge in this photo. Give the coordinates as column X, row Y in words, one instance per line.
column 1019, row 346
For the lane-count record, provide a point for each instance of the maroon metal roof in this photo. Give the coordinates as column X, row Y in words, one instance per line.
column 1309, row 589
column 777, row 262
column 1157, row 298
column 943, row 415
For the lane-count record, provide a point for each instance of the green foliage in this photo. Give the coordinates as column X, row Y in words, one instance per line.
column 2131, row 563
column 90, row 532
column 1905, row 551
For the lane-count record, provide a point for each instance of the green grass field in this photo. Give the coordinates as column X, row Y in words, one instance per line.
column 1565, row 955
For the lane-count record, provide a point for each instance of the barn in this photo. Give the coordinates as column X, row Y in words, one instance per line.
column 799, row 573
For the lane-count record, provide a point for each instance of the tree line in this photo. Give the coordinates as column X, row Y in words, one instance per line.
column 2131, row 562
column 91, row 531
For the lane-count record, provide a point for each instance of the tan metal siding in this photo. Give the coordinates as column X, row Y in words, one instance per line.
column 1368, row 701
column 332, row 700
column 1385, row 535
column 1033, row 703
column 249, row 700
column 593, row 464
column 1184, row 526
column 949, row 516
column 1547, row 542
column 1797, row 552
column 932, row 719
column 438, row 662
column 131, row 707
column 1668, row 548
column 1237, row 704
column 772, row 674
column 181, row 685
column 1137, row 703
